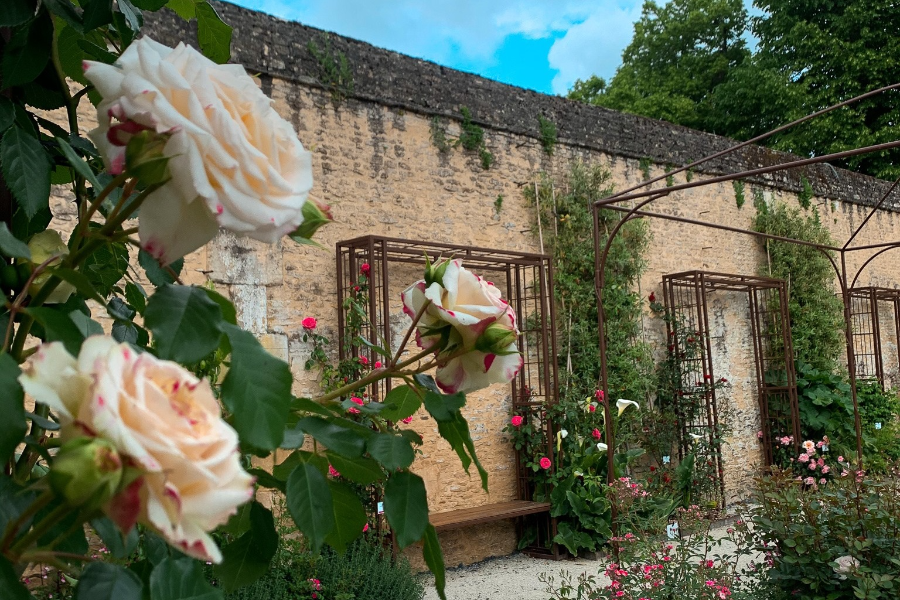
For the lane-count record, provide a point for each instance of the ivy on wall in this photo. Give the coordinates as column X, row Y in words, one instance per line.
column 566, row 229
column 816, row 313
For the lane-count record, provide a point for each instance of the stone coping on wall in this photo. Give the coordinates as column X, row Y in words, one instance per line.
column 274, row 47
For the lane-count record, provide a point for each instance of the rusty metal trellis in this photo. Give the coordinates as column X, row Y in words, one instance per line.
column 639, row 199
column 867, row 332
column 686, row 301
column 526, row 280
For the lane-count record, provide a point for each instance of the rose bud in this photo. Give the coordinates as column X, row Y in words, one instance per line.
column 434, row 273
column 315, row 216
column 145, row 156
column 496, row 339
column 86, row 472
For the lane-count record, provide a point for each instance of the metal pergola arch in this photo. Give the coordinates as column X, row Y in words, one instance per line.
column 640, row 198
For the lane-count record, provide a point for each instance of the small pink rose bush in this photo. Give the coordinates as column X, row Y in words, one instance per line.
column 183, row 472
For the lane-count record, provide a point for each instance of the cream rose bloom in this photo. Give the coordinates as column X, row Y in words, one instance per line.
column 470, row 326
column 162, row 418
column 235, row 162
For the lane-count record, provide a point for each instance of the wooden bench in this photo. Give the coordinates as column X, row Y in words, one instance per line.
column 486, row 514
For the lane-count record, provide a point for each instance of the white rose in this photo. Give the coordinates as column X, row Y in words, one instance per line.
column 235, row 162
column 471, row 327
column 162, row 418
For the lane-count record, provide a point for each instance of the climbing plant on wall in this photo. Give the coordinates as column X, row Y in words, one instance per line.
column 816, row 312
column 566, row 230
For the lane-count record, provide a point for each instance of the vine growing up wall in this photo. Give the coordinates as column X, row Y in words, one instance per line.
column 566, row 228
column 816, row 313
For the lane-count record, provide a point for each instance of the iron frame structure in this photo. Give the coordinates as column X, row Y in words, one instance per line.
column 686, row 299
column 641, row 195
column 527, row 284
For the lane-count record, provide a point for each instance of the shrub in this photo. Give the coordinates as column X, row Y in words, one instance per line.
column 702, row 565
column 831, row 541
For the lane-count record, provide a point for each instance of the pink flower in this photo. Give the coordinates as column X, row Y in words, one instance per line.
column 377, row 364
column 759, row 435
column 803, row 458
column 365, row 268
column 810, row 481
column 407, row 420
column 309, row 323
column 545, row 463
column 333, row 472
column 516, row 421
column 591, row 407
column 710, row 582
column 840, row 459
column 596, row 434
column 825, row 469
column 823, row 481
column 619, row 594
column 355, row 400
column 365, row 527
column 363, row 360
column 813, row 466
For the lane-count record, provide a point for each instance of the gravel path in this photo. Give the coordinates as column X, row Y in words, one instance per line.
column 516, row 577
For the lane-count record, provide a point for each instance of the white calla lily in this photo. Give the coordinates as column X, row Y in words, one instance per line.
column 622, row 404
column 602, row 447
column 563, row 433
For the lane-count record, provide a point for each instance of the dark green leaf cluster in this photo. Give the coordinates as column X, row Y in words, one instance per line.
column 334, row 68
column 836, row 540
column 471, row 138
column 816, row 312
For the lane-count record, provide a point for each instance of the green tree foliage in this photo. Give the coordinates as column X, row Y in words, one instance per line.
column 832, row 51
column 680, row 52
column 816, row 312
column 689, row 64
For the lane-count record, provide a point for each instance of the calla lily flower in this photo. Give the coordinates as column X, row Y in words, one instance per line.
column 622, row 404
column 602, row 447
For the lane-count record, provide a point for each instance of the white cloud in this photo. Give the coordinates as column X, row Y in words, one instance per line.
column 593, row 46
column 471, row 31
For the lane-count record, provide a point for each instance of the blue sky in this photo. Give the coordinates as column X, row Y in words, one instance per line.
column 543, row 45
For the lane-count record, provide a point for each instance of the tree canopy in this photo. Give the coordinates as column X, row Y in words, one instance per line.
column 689, row 63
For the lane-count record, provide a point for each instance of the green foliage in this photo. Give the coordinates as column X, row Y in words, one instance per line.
column 680, row 52
column 816, row 313
column 334, row 68
column 670, row 179
column 739, row 197
column 498, row 204
column 644, row 166
column 702, row 564
column 439, row 136
column 832, row 540
column 806, row 194
column 829, row 53
column 689, row 63
column 630, row 365
column 548, row 134
column 471, row 138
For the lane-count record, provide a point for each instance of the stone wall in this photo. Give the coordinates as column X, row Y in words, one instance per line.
column 375, row 164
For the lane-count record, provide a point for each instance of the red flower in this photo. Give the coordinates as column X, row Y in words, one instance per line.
column 333, row 472
column 545, row 462
column 591, row 407
column 363, row 360
column 599, row 395
column 652, row 297
column 407, row 420
column 377, row 364
column 596, row 434
column 356, row 400
column 365, row 268
column 516, row 421
column 309, row 323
